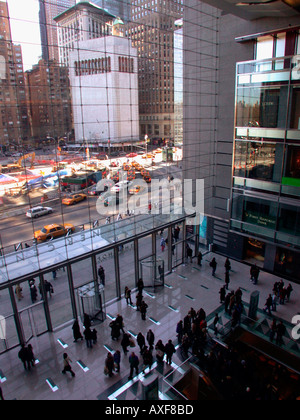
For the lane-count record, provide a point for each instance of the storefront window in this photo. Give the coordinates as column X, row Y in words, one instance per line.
column 287, row 264
column 260, row 212
column 295, row 111
column 260, row 107
column 289, row 220
column 258, row 161
column 292, row 171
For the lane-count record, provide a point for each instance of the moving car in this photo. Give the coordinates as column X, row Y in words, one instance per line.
column 53, row 231
column 134, row 190
column 94, row 192
column 36, row 212
column 77, row 198
column 119, row 186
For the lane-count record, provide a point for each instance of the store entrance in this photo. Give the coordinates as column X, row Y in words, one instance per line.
column 255, row 252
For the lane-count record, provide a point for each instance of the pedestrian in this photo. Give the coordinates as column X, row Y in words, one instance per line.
column 18, row 292
column 222, row 294
column 179, row 331
column 147, row 359
column 227, row 265
column 76, row 332
column 1, row 394
column 160, row 351
column 120, row 322
column 280, row 333
column 189, row 253
column 139, row 300
column 227, row 279
column 273, row 330
column 33, row 292
column 128, row 296
column 30, row 356
column 109, row 365
column 141, row 341
column 125, row 343
column 213, row 264
column 23, row 356
column 88, row 338
column 115, row 330
column 216, row 321
column 169, row 350
column 134, row 365
column 163, row 244
column 140, row 286
column 143, row 310
column 117, row 360
column 150, row 339
column 49, row 288
column 268, row 304
column 101, row 274
column 200, row 258
column 67, row 365
column 274, row 302
column 94, row 336
column 289, row 290
column 54, row 274
column 86, row 321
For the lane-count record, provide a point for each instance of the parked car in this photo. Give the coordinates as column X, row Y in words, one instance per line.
column 36, row 212
column 53, row 231
column 77, row 198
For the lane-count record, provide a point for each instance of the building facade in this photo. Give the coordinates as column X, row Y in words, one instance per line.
column 49, row 98
column 152, row 32
column 242, row 135
column 48, row 11
column 82, row 22
column 104, row 84
column 14, row 121
column 119, row 8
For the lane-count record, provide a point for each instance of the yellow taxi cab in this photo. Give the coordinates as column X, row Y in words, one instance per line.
column 77, row 198
column 53, row 231
column 136, row 190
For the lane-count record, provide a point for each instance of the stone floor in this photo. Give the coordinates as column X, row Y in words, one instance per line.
column 188, row 286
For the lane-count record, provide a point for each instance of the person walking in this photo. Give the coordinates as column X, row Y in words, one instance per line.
column 213, row 265
column 227, row 265
column 76, row 332
column 200, row 258
column 125, row 343
column 30, row 356
column 150, row 339
column 140, row 286
column 23, row 356
column 120, row 322
column 88, row 338
column 268, row 304
column 189, row 253
column 289, row 290
column 141, row 341
column 128, row 296
column 147, row 359
column 179, row 331
column 134, row 365
column 49, row 288
column 222, row 294
column 160, row 351
column 117, row 360
column 163, row 244
column 169, row 350
column 101, row 274
column 18, row 292
column 109, row 364
column 33, row 292
column 227, row 279
column 67, row 365
column 143, row 310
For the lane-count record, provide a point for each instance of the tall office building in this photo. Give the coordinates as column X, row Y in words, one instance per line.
column 119, row 8
column 241, row 127
column 49, row 9
column 14, row 122
column 152, row 33
column 82, row 22
column 48, row 91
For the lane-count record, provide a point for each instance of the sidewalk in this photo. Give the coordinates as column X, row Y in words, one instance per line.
column 189, row 286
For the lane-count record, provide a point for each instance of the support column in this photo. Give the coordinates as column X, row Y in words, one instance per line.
column 72, row 291
column 18, row 322
column 117, row 271
column 136, row 261
column 46, row 303
column 170, row 249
